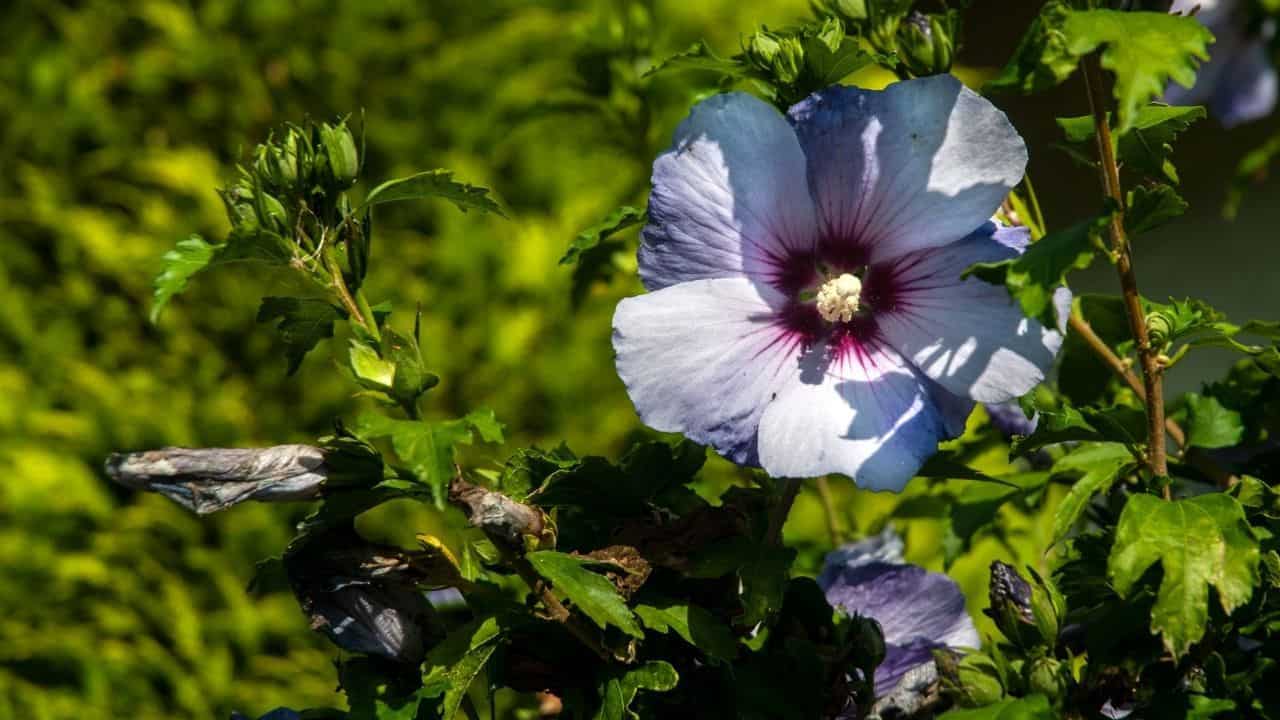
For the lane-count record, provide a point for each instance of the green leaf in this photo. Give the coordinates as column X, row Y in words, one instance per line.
column 1033, row 276
column 591, row 593
column 1145, row 50
column 453, row 665
column 428, row 448
column 1042, row 59
column 621, row 685
column 1210, row 425
column 1147, row 147
column 944, row 466
column 764, row 581
column 592, row 251
column 429, row 184
column 1101, row 464
column 1067, row 424
column 1200, row 542
column 699, row 56
column 1031, row 707
column 693, row 623
column 183, row 262
column 1151, row 206
column 1251, row 170
column 302, row 323
column 646, row 471
column 617, row 221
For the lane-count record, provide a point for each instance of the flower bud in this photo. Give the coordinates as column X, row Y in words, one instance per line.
column 277, row 162
column 925, row 44
column 1049, row 677
column 1159, row 328
column 1028, row 616
column 972, row 680
column 209, row 480
column 782, row 56
column 340, row 154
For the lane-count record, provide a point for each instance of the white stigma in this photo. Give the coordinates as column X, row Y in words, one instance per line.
column 838, row 298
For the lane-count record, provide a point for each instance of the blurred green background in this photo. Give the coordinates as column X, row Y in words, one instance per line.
column 118, row 119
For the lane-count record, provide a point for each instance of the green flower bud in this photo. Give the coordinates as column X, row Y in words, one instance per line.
column 782, row 56
column 340, row 153
column 240, row 208
column 1049, row 677
column 972, row 680
column 1048, row 607
column 277, row 162
column 1159, row 328
column 925, row 44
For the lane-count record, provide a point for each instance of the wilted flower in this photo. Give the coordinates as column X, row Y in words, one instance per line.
column 807, row 312
column 1239, row 82
column 918, row 611
column 370, row 598
column 211, row 479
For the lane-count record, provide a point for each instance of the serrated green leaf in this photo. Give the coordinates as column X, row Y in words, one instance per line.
column 944, row 466
column 1145, row 50
column 1210, row 425
column 694, row 624
column 1147, row 147
column 620, row 687
column 453, row 665
column 1151, row 206
column 1200, row 542
column 1031, row 707
column 699, row 56
column 617, row 221
column 1042, row 59
column 301, row 322
column 1033, row 276
column 183, row 262
column 428, row 448
column 589, row 592
column 1100, row 465
column 592, row 251
column 1067, row 424
column 429, row 184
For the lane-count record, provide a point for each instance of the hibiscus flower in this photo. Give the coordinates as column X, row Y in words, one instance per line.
column 806, row 311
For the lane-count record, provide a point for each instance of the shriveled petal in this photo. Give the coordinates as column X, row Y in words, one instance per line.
column 868, row 415
column 704, row 358
column 909, row 602
column 729, row 198
column 918, row 165
column 901, row 659
column 967, row 335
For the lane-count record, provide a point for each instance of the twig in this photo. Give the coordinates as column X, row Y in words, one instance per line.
column 834, row 527
column 506, row 522
column 778, row 517
column 344, row 295
column 1084, row 331
column 1157, row 458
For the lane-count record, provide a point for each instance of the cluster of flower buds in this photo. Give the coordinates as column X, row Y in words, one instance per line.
column 926, row 44
column 297, row 175
column 780, row 55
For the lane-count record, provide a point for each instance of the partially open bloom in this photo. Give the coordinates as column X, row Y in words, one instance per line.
column 807, row 312
column 918, row 611
column 1239, row 82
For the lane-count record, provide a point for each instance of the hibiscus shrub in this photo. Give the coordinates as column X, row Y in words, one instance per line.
column 837, row 277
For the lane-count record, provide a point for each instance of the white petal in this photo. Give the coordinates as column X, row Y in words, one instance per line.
column 920, row 164
column 967, row 335
column 729, row 197
column 703, row 358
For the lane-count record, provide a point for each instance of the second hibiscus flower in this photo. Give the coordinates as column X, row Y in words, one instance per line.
column 806, row 312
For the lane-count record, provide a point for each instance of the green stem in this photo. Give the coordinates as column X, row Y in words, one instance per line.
column 362, row 316
column 778, row 517
column 835, row 528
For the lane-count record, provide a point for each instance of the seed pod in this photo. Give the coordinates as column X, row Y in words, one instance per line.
column 212, row 479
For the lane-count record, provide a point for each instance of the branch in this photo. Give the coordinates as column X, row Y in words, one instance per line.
column 507, row 522
column 1157, row 459
column 1084, row 331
